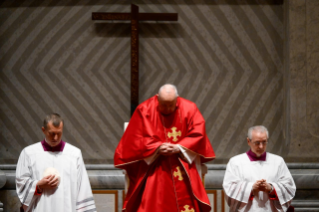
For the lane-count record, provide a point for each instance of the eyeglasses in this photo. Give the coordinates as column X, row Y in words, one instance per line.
column 257, row 143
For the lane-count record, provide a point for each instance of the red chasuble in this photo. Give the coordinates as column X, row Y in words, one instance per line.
column 169, row 183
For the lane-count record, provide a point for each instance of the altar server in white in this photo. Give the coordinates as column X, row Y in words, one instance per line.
column 51, row 174
column 258, row 180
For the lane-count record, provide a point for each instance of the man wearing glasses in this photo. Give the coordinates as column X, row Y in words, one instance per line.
column 258, row 180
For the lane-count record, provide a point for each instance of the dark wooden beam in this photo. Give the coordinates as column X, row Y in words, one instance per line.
column 140, row 16
column 134, row 58
column 135, row 17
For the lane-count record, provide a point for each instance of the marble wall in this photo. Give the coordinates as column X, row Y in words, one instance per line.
column 302, row 80
column 226, row 56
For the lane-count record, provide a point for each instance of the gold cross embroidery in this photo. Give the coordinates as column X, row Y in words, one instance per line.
column 174, row 134
column 178, row 174
column 186, row 207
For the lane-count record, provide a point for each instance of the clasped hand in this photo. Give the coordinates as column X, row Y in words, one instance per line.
column 48, row 182
column 168, row 149
column 262, row 185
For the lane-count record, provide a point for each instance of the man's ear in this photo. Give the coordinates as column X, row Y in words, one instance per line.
column 248, row 140
column 43, row 129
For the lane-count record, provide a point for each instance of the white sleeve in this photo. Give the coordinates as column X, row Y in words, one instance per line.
column 25, row 182
column 285, row 186
column 84, row 200
column 236, row 189
column 151, row 158
column 188, row 155
column 192, row 157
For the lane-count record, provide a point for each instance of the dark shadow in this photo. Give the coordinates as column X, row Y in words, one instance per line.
column 112, row 29
column 146, row 30
column 161, row 30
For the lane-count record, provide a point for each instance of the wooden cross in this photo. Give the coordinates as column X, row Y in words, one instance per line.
column 174, row 134
column 135, row 17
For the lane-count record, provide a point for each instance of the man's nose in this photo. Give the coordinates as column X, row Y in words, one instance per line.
column 55, row 136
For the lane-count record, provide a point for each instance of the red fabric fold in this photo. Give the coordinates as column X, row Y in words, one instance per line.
column 146, row 131
column 251, row 197
column 37, row 191
column 273, row 195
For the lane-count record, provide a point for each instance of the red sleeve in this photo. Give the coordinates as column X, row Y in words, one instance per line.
column 273, row 195
column 196, row 138
column 139, row 140
column 38, row 191
column 251, row 197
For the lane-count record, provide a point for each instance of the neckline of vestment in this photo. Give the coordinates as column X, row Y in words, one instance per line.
column 58, row 148
column 253, row 157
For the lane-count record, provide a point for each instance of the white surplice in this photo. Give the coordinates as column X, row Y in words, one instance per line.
column 241, row 174
column 74, row 192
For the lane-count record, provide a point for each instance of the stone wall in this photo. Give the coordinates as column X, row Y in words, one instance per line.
column 302, row 81
column 226, row 56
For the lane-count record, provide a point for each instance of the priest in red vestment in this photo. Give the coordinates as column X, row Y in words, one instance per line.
column 162, row 151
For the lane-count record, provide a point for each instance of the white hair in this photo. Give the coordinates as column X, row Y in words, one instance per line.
column 258, row 128
column 168, row 86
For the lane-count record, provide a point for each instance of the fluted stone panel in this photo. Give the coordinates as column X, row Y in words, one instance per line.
column 303, row 82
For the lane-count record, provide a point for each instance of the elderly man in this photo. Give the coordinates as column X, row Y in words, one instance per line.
column 51, row 175
column 162, row 150
column 258, row 180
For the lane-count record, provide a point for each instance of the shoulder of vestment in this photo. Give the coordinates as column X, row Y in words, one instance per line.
column 72, row 149
column 186, row 103
column 148, row 104
column 238, row 158
column 274, row 157
column 33, row 148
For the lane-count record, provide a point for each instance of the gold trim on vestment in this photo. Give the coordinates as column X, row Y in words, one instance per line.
column 135, row 160
column 123, row 164
column 186, row 207
column 191, row 185
column 184, row 170
column 174, row 134
column 135, row 190
column 178, row 173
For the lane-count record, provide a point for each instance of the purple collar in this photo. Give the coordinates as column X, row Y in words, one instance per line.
column 58, row 148
column 252, row 156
